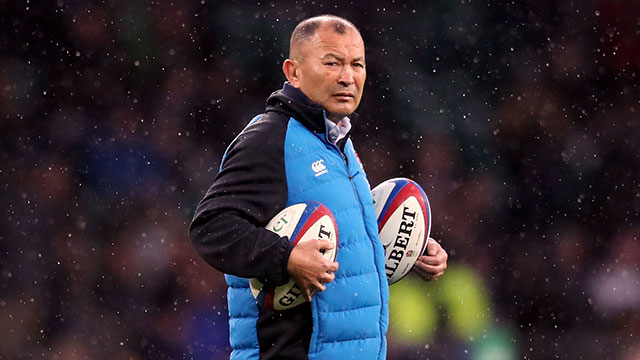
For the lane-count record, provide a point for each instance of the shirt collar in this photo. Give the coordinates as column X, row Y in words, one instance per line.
column 337, row 131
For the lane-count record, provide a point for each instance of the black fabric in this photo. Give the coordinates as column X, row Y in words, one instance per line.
column 285, row 335
column 228, row 226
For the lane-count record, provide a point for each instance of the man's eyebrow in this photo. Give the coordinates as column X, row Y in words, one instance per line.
column 342, row 58
column 339, row 57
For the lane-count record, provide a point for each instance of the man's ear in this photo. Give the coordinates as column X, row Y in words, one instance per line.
column 290, row 70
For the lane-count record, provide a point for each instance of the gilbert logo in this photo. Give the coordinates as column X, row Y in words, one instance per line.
column 319, row 167
column 402, row 240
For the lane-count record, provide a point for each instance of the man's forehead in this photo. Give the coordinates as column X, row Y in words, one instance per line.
column 328, row 40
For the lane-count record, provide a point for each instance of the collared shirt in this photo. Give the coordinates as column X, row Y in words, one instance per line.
column 337, row 131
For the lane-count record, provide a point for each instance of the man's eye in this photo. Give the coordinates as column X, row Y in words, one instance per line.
column 331, row 63
column 360, row 65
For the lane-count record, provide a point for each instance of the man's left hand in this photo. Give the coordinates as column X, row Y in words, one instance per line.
column 432, row 265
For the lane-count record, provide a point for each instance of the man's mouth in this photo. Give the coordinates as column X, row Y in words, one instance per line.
column 343, row 96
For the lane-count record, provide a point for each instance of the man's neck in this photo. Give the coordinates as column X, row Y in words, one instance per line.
column 335, row 118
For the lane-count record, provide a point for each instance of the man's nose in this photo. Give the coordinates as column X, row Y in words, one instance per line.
column 347, row 76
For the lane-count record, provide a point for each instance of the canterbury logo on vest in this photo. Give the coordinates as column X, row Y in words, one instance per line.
column 319, row 167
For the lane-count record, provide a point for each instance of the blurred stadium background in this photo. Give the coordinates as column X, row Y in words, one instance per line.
column 520, row 120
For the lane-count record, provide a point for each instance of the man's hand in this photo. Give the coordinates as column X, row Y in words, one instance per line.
column 431, row 266
column 309, row 269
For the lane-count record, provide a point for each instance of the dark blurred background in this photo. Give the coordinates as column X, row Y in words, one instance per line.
column 519, row 119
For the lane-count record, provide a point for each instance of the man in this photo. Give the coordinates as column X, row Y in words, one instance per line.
column 269, row 167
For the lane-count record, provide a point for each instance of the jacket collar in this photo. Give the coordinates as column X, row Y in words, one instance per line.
column 295, row 103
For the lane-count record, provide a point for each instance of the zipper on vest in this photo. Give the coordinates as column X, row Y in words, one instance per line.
column 353, row 185
column 355, row 191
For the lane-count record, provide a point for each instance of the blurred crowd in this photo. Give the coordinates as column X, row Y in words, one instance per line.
column 519, row 119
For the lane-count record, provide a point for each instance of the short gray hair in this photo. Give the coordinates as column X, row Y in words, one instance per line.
column 305, row 30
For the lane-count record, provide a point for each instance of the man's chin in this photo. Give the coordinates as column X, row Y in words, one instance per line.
column 339, row 112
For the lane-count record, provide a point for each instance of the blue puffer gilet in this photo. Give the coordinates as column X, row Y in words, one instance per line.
column 350, row 318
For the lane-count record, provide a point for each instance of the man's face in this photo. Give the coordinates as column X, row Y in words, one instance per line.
column 332, row 71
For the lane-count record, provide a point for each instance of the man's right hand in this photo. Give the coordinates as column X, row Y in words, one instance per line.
column 309, row 269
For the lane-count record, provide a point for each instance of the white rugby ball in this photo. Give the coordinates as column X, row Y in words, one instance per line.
column 300, row 222
column 404, row 223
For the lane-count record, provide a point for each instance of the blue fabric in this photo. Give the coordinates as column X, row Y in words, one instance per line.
column 350, row 318
column 243, row 315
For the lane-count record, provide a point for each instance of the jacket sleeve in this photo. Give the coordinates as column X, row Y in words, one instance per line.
column 228, row 226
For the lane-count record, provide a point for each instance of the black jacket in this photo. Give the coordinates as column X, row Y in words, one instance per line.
column 228, row 226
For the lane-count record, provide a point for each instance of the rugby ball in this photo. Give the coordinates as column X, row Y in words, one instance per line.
column 404, row 224
column 300, row 222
